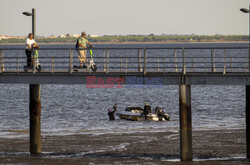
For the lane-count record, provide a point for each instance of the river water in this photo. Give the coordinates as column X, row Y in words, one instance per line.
column 75, row 109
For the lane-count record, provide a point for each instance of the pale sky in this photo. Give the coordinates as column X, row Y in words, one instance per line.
column 109, row 17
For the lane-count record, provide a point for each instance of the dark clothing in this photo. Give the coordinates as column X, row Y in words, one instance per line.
column 161, row 114
column 146, row 110
column 28, row 55
column 112, row 114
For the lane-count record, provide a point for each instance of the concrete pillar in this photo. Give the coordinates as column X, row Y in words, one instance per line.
column 35, row 123
column 248, row 120
column 186, row 151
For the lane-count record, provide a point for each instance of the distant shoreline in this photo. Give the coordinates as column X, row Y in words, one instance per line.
column 164, row 42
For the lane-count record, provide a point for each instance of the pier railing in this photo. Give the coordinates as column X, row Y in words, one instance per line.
column 191, row 59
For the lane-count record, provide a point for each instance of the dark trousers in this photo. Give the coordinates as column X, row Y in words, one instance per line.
column 28, row 55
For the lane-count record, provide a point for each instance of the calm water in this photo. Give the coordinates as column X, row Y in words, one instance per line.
column 75, row 109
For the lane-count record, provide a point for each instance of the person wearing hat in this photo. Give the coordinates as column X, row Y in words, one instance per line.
column 111, row 112
column 146, row 110
column 82, row 44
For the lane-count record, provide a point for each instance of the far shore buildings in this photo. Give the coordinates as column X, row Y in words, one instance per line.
column 11, row 37
column 51, row 36
column 76, row 35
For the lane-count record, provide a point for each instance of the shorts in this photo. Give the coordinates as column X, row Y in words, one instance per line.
column 82, row 53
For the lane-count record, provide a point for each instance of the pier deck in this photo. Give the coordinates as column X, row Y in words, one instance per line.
column 150, row 78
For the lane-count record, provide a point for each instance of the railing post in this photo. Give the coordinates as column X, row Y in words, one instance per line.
column 53, row 65
column 1, row 61
column 121, row 64
column 175, row 55
column 104, row 57
column 193, row 64
column 139, row 60
column 225, row 57
column 70, row 61
column 126, row 67
column 186, row 150
column 213, row 60
column 184, row 61
column 17, row 65
column 245, row 64
column 145, row 62
column 107, row 70
column 225, row 61
column 231, row 64
column 165, row 64
column 248, row 120
column 205, row 64
column 158, row 64
column 249, row 54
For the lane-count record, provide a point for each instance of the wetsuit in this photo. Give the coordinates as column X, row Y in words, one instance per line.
column 146, row 110
column 112, row 114
column 161, row 114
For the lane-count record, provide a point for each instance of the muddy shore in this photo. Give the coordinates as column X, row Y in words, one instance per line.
column 209, row 147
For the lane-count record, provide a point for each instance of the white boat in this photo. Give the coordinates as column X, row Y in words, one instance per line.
column 136, row 114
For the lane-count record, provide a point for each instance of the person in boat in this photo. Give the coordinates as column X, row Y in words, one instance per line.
column 82, row 45
column 111, row 112
column 161, row 114
column 146, row 110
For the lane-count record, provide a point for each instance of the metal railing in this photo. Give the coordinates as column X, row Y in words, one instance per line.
column 191, row 59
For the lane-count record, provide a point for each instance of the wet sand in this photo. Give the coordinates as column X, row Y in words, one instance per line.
column 229, row 146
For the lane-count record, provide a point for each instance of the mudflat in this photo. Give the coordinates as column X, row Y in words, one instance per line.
column 209, row 147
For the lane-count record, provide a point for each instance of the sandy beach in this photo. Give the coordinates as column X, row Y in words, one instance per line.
column 209, row 147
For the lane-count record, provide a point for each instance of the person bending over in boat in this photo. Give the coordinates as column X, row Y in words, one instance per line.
column 146, row 110
column 111, row 112
column 161, row 114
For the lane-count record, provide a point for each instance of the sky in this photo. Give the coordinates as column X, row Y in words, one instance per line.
column 124, row 17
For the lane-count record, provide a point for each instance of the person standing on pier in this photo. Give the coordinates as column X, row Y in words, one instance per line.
column 28, row 50
column 82, row 44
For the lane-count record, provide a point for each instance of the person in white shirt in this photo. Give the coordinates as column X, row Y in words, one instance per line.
column 28, row 50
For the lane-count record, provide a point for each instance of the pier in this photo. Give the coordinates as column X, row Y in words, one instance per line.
column 133, row 66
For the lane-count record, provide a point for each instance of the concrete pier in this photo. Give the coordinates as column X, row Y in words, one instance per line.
column 248, row 120
column 35, row 122
column 186, row 151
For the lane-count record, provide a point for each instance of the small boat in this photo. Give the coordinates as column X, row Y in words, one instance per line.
column 136, row 114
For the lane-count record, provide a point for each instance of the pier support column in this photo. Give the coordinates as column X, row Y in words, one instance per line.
column 186, row 151
column 35, row 113
column 248, row 120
